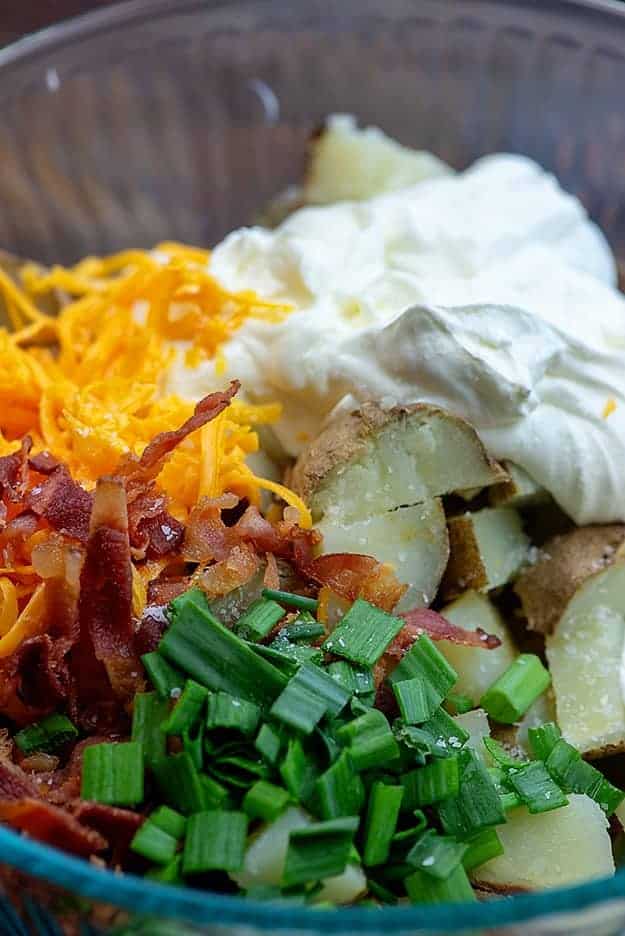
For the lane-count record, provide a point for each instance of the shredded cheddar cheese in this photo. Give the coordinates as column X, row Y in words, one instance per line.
column 87, row 385
column 609, row 407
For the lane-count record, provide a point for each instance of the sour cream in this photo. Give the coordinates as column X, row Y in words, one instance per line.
column 488, row 292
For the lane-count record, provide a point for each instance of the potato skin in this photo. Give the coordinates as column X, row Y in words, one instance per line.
column 566, row 562
column 346, row 437
column 464, row 571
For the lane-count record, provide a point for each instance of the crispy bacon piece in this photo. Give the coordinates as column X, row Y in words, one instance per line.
column 63, row 786
column 14, row 472
column 425, row 621
column 114, row 824
column 14, row 538
column 104, row 661
column 48, row 823
column 43, row 463
column 44, row 675
column 151, row 461
column 355, row 576
column 228, row 574
column 153, row 532
column 152, row 626
column 63, row 503
column 15, row 784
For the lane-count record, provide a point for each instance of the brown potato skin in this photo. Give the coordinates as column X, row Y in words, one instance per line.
column 567, row 561
column 344, row 438
column 464, row 570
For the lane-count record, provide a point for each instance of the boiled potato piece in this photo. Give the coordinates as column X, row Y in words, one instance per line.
column 520, row 491
column 375, row 459
column 546, row 587
column 584, row 655
column 350, row 164
column 266, row 854
column 477, row 668
column 411, row 539
column 487, row 549
column 552, row 849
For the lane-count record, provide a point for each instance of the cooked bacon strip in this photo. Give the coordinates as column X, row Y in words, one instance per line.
column 152, row 626
column 425, row 621
column 104, row 658
column 355, row 576
column 114, row 824
column 153, row 532
column 63, row 786
column 63, row 503
column 14, row 783
column 43, row 463
column 14, row 472
column 14, row 538
column 52, row 825
column 151, row 461
column 44, row 674
column 228, row 574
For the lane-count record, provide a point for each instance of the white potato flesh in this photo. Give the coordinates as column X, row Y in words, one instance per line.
column 584, row 655
column 350, row 164
column 412, row 539
column 476, row 723
column 487, row 549
column 410, row 460
column 266, row 855
column 541, row 711
column 477, row 668
column 552, row 849
column 520, row 491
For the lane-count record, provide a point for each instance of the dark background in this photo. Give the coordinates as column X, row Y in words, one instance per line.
column 23, row 16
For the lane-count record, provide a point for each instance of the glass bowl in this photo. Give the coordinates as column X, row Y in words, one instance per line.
column 179, row 119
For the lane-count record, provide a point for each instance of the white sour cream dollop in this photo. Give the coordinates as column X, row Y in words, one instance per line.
column 487, row 292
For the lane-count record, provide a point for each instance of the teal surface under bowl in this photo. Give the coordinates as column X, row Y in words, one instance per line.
column 178, row 119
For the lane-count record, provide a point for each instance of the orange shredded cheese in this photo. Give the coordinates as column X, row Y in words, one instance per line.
column 87, row 385
column 8, row 605
column 29, row 623
column 609, row 407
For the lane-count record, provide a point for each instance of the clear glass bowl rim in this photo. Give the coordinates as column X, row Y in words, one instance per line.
column 138, row 895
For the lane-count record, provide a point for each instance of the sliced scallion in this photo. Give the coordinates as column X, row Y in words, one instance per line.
column 425, row 661
column 47, row 735
column 510, row 696
column 225, row 711
column 536, row 789
column 259, row 619
column 363, row 633
column 215, row 842
column 113, row 773
column 319, row 851
column 436, row 855
column 187, row 709
column 149, row 712
column 437, row 781
column 543, row 739
column 298, row 771
column 268, row 743
column 381, row 822
column 339, row 791
column 265, row 801
column 369, row 740
column 179, row 783
column 423, row 888
column 301, row 602
column 575, row 775
column 166, row 679
column 481, row 848
column 477, row 805
column 309, row 695
column 417, row 699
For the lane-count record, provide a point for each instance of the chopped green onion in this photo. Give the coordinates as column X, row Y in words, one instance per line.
column 189, row 601
column 446, row 734
column 406, row 836
column 543, row 739
column 169, row 874
column 309, row 695
column 301, row 602
column 187, row 709
column 423, row 888
column 215, row 657
column 381, row 893
column 215, row 842
column 477, row 805
column 215, row 795
column 157, row 839
column 166, row 679
column 535, row 787
column 431, row 784
column 298, row 771
column 369, row 740
column 363, row 633
column 357, row 680
column 224, row 711
column 417, row 700
column 47, row 735
column 436, row 855
column 265, row 801
column 481, row 848
column 113, row 773
column 282, row 655
column 297, row 652
column 238, row 770
column 149, row 712
column 319, row 851
column 179, row 782
column 460, row 704
column 510, row 696
column 425, row 661
column 259, row 619
column 510, row 800
column 382, row 814
column 268, row 743
column 500, row 756
column 575, row 775
column 193, row 743
column 304, row 627
column 339, row 791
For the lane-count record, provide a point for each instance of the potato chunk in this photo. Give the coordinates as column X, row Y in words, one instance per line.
column 552, row 849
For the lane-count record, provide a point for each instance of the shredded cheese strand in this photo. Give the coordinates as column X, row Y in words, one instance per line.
column 8, row 605
column 30, row 623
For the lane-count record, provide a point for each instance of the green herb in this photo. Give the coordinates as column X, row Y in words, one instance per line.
column 298, row 771
column 224, row 711
column 149, row 712
column 417, row 700
column 357, row 680
column 309, row 695
column 179, row 782
column 339, row 791
column 268, row 743
column 460, row 704
column 113, row 774
column 187, row 709
column 304, row 627
column 215, row 842
column 436, row 855
column 300, row 602
column 157, row 839
column 423, row 888
column 169, row 874
column 265, row 801
column 543, row 739
column 319, row 851
column 363, row 633
column 481, row 848
column 575, row 775
column 425, row 661
column 215, row 657
column 381, row 822
column 535, row 787
column 47, row 735
column 369, row 740
column 499, row 754
column 297, row 652
column 193, row 743
column 259, row 619
column 431, row 784
column 166, row 679
column 510, row 696
column 477, row 805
